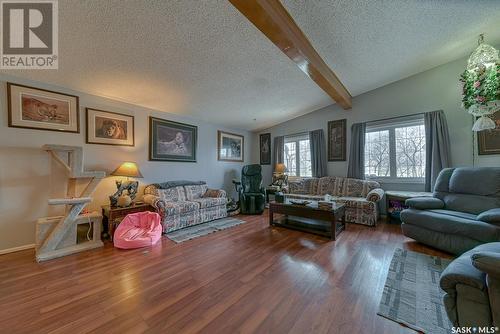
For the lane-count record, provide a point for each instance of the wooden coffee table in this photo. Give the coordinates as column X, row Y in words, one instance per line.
column 309, row 218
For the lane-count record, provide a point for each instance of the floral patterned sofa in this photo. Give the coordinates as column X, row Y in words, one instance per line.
column 185, row 203
column 360, row 196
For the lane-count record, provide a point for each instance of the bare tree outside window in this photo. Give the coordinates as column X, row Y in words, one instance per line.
column 377, row 159
column 410, row 151
column 396, row 151
column 297, row 157
column 290, row 158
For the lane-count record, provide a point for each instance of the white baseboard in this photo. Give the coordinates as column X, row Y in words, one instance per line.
column 16, row 249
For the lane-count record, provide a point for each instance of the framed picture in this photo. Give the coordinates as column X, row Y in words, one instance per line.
column 337, row 140
column 230, row 146
column 40, row 109
column 172, row 141
column 109, row 128
column 488, row 141
column 265, row 148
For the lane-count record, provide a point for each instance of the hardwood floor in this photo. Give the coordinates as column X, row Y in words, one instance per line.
column 250, row 278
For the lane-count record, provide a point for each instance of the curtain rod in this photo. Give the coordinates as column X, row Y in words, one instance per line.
column 396, row 117
column 297, row 134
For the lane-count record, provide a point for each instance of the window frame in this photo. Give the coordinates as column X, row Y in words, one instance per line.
column 297, row 138
column 391, row 127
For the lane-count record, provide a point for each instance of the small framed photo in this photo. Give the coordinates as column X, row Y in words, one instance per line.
column 172, row 141
column 40, row 109
column 337, row 140
column 265, row 148
column 230, row 146
column 109, row 128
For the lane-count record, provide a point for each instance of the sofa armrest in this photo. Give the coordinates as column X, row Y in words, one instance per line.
column 214, row 193
column 488, row 262
column 150, row 199
column 424, row 203
column 461, row 271
column 163, row 208
column 491, row 216
column 375, row 195
column 156, row 202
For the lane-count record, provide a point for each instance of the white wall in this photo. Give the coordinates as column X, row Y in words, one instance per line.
column 435, row 89
column 28, row 177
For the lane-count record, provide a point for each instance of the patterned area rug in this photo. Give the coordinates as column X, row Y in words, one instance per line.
column 200, row 230
column 412, row 295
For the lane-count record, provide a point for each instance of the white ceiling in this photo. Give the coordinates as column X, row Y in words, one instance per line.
column 203, row 59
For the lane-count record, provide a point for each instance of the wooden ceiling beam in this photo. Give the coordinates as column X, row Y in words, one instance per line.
column 274, row 21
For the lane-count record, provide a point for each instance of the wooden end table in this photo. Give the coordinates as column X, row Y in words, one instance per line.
column 113, row 216
column 309, row 218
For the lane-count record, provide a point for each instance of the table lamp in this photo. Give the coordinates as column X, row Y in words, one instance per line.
column 120, row 197
column 280, row 179
column 280, row 169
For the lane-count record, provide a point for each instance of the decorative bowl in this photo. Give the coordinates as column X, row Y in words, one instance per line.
column 299, row 202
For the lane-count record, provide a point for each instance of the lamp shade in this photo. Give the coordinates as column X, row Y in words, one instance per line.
column 128, row 169
column 280, row 168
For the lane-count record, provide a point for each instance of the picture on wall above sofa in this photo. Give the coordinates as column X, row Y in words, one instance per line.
column 489, row 140
column 265, row 148
column 230, row 146
column 172, row 141
column 109, row 128
column 41, row 109
column 337, row 140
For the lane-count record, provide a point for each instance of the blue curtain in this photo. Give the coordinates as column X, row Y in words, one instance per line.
column 356, row 167
column 437, row 146
column 318, row 153
column 278, row 153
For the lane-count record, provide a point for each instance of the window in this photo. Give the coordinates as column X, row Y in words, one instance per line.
column 396, row 150
column 297, row 155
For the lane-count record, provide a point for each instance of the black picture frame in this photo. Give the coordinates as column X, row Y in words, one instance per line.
column 235, row 149
column 20, row 97
column 165, row 143
column 337, row 140
column 91, row 136
column 488, row 141
column 265, row 148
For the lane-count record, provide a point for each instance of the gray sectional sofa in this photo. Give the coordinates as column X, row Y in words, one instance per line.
column 463, row 213
column 472, row 286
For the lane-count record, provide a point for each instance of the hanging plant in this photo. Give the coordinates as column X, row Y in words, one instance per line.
column 480, row 86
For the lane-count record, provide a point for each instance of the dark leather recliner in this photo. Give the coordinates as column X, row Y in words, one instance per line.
column 251, row 193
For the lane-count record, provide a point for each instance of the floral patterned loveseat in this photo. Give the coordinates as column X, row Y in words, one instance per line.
column 185, row 203
column 360, row 196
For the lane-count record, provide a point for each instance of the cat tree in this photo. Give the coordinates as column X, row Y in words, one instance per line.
column 57, row 236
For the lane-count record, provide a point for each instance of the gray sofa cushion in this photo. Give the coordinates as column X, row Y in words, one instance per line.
column 456, row 214
column 468, row 203
column 423, row 203
column 451, row 243
column 491, row 216
column 445, row 223
column 488, row 262
column 460, row 271
column 443, row 180
column 483, row 181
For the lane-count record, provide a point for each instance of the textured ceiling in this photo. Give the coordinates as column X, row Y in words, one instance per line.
column 204, row 60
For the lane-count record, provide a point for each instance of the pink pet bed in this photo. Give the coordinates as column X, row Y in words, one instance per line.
column 137, row 230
